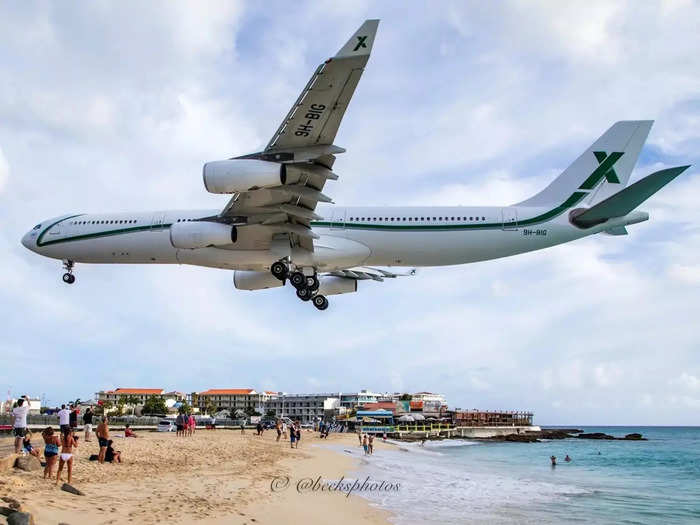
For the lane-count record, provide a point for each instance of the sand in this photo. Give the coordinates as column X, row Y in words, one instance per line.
column 215, row 477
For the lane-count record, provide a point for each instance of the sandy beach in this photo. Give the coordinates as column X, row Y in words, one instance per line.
column 214, row 477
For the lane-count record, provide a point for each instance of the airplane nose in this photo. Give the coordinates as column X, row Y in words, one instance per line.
column 27, row 241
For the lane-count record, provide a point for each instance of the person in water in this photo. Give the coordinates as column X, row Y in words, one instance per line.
column 68, row 441
column 554, row 460
column 567, row 458
column 51, row 443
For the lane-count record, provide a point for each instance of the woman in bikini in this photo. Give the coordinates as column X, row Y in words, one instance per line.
column 66, row 456
column 51, row 443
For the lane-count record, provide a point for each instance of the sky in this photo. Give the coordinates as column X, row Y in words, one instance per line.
column 108, row 107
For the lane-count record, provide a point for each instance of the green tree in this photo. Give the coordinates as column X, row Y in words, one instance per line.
column 120, row 406
column 210, row 407
column 405, row 397
column 250, row 411
column 132, row 401
column 104, row 408
column 271, row 412
column 185, row 408
column 154, row 405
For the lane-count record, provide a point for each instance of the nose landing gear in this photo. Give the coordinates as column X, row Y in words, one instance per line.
column 68, row 277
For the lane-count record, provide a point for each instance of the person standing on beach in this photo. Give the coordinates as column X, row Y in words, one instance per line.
column 66, row 456
column 87, row 424
column 64, row 419
column 103, row 438
column 180, row 424
column 370, row 444
column 284, row 429
column 359, row 437
column 243, row 427
column 365, row 444
column 278, row 427
column 19, row 425
column 193, row 424
column 51, row 444
column 73, row 418
column 298, row 434
column 292, row 436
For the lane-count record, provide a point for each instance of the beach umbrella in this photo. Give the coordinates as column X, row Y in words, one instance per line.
column 418, row 417
column 406, row 419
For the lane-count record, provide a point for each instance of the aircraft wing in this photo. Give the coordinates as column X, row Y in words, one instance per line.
column 304, row 144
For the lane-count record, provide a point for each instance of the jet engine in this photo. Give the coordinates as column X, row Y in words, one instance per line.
column 235, row 175
column 332, row 285
column 250, row 280
column 200, row 234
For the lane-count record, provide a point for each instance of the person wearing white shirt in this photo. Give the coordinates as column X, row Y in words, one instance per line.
column 64, row 419
column 19, row 425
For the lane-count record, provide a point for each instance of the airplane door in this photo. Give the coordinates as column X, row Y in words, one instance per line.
column 338, row 219
column 510, row 218
column 157, row 221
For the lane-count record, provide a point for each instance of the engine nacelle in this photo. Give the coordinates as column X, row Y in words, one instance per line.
column 231, row 176
column 249, row 280
column 332, row 285
column 200, row 234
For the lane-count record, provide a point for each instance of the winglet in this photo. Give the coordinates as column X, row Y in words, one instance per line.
column 361, row 42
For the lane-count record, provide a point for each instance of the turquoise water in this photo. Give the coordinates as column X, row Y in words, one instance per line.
column 459, row 481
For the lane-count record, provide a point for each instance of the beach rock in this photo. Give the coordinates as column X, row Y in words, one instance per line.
column 521, row 438
column 595, row 435
column 28, row 463
column 635, row 437
column 71, row 489
column 20, row 518
column 554, row 434
column 12, row 503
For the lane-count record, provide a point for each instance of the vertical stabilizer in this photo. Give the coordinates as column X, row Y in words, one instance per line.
column 602, row 170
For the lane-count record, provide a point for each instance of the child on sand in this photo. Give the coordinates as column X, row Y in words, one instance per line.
column 111, row 455
column 128, row 433
column 365, row 444
column 68, row 441
column 27, row 445
column 51, row 443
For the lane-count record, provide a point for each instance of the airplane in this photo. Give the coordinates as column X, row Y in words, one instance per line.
column 279, row 226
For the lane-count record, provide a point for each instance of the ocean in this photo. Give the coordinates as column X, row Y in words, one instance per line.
column 461, row 481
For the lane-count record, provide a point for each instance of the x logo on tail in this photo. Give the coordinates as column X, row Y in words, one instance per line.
column 360, row 42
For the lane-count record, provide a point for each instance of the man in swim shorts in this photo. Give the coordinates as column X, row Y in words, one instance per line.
column 19, row 426
column 103, row 438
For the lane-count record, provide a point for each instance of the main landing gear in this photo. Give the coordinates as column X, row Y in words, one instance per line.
column 306, row 285
column 68, row 277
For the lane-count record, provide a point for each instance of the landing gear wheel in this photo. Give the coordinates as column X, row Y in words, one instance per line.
column 304, row 294
column 312, row 283
column 320, row 302
column 298, row 280
column 68, row 278
column 279, row 270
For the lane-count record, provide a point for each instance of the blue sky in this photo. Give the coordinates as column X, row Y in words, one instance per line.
column 109, row 107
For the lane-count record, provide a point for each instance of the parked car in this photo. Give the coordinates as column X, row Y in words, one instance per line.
column 166, row 425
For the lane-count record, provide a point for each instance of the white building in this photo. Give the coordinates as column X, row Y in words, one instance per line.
column 304, row 407
column 352, row 400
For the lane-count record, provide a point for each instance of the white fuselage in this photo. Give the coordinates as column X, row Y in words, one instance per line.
column 377, row 236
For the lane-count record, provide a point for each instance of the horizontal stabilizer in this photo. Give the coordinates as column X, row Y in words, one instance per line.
column 626, row 200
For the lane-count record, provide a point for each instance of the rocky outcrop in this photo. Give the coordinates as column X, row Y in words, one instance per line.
column 521, row 438
column 28, row 463
column 20, row 518
column 634, row 437
column 595, row 435
column 554, row 433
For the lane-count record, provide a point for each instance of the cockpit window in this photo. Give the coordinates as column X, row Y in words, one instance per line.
column 38, row 226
